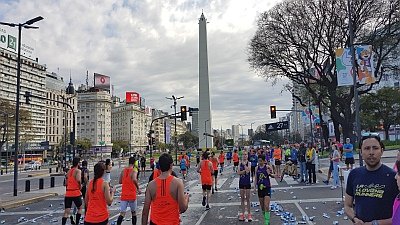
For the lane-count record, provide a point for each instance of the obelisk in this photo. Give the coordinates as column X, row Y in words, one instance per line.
column 205, row 120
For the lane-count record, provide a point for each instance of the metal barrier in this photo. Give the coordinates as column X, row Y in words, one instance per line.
column 52, row 181
column 41, row 183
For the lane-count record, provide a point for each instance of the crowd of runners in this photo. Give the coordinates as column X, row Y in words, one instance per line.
column 165, row 195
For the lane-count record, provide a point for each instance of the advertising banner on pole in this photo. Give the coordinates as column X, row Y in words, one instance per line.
column 365, row 70
column 9, row 41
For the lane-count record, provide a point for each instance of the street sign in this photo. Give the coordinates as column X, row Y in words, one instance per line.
column 277, row 126
column 102, row 143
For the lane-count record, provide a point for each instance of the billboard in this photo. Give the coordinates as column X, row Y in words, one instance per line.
column 101, row 81
column 132, row 97
column 9, row 41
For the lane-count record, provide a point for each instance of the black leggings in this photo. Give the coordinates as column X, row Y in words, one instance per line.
column 311, row 173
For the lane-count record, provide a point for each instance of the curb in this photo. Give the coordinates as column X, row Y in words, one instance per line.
column 15, row 204
column 37, row 175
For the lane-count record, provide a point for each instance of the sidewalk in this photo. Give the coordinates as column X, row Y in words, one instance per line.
column 8, row 201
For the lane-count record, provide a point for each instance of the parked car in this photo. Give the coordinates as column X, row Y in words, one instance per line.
column 32, row 165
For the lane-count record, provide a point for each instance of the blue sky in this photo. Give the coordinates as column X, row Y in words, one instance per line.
column 152, row 47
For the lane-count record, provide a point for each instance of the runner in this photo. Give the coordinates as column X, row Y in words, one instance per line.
column 98, row 196
column 278, row 160
column 84, row 177
column 262, row 185
column 183, row 168
column 152, row 163
column 128, row 194
column 205, row 169
column 221, row 160
column 197, row 158
column 214, row 162
column 229, row 156
column 107, row 174
column 165, row 196
column 253, row 161
column 235, row 158
column 245, row 187
column 73, row 192
column 143, row 164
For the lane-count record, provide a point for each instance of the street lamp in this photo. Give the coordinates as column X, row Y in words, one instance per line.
column 205, row 132
column 20, row 26
column 174, row 105
column 130, row 136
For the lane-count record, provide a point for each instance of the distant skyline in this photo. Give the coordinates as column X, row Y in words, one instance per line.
column 151, row 47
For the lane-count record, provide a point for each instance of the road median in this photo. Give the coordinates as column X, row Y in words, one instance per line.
column 25, row 199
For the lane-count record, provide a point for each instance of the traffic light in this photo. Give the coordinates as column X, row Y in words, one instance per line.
column 183, row 113
column 27, row 97
column 273, row 111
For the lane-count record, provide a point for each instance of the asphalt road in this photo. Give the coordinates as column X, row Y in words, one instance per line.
column 317, row 202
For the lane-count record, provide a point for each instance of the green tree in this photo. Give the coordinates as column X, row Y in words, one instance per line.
column 297, row 39
column 382, row 106
column 83, row 145
column 118, row 144
column 188, row 139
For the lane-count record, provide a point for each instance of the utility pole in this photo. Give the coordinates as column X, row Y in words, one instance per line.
column 175, row 133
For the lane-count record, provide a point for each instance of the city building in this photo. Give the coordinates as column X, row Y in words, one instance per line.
column 59, row 118
column 33, row 80
column 159, row 126
column 130, row 123
column 235, row 132
column 195, row 122
column 94, row 120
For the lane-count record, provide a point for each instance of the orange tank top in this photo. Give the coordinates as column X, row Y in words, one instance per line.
column 215, row 163
column 235, row 157
column 206, row 178
column 278, row 154
column 128, row 187
column 73, row 188
column 164, row 208
column 156, row 173
column 96, row 210
column 221, row 158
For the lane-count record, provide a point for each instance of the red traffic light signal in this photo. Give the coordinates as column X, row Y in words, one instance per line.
column 273, row 111
column 183, row 113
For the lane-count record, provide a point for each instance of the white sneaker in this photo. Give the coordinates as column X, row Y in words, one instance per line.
column 333, row 187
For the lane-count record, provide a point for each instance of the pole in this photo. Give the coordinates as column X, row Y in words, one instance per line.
column 7, row 144
column 176, row 143
column 205, row 132
column 73, row 134
column 354, row 69
column 101, row 138
column 311, row 125
column 17, row 112
column 65, row 132
column 130, row 136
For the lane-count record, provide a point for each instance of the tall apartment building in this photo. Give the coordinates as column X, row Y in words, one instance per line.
column 94, row 120
column 33, row 76
column 59, row 118
column 130, row 123
column 159, row 125
column 235, row 132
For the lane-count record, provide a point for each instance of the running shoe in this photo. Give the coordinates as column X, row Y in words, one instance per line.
column 216, row 189
column 249, row 218
column 72, row 219
column 241, row 217
column 326, row 182
column 212, row 192
column 204, row 201
column 207, row 207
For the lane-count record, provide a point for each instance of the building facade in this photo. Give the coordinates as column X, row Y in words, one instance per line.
column 59, row 118
column 94, row 120
column 33, row 79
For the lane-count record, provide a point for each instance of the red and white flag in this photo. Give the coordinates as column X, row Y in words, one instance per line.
column 101, row 81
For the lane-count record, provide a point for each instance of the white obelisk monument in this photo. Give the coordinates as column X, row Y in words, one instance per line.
column 205, row 120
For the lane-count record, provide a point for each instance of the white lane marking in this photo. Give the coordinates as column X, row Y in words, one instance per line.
column 221, row 182
column 273, row 182
column 289, row 180
column 234, row 184
column 302, row 212
column 202, row 217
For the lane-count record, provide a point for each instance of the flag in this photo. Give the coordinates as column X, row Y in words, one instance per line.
column 101, row 81
column 365, row 63
column 344, row 67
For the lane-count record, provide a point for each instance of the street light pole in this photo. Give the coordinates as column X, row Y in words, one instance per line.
column 101, row 137
column 175, row 134
column 20, row 25
column 130, row 136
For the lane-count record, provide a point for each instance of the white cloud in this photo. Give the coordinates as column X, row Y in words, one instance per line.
column 152, row 47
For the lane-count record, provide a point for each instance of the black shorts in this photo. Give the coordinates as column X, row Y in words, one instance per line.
column 253, row 169
column 105, row 222
column 278, row 162
column 206, row 187
column 236, row 163
column 215, row 173
column 264, row 192
column 349, row 161
column 244, row 186
column 68, row 202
